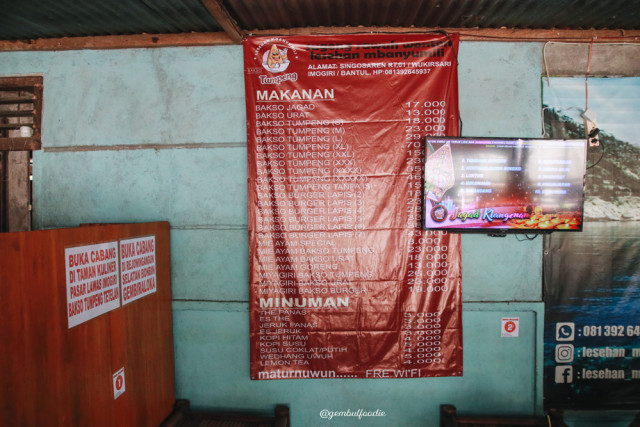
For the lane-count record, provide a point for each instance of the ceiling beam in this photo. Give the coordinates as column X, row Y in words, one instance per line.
column 222, row 16
column 20, row 144
column 118, row 42
column 221, row 38
column 472, row 34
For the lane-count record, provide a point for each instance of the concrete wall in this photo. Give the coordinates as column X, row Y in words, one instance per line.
column 159, row 134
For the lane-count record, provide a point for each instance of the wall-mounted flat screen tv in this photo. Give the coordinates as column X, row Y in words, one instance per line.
column 504, row 184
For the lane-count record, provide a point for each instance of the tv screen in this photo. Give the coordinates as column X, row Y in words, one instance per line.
column 504, row 184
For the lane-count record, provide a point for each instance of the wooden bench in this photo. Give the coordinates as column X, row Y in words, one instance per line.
column 184, row 416
column 450, row 418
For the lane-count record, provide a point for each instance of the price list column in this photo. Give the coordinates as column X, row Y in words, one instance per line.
column 428, row 251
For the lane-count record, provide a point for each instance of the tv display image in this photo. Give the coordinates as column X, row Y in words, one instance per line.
column 504, row 184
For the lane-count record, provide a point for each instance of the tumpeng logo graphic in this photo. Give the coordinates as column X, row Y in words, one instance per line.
column 276, row 55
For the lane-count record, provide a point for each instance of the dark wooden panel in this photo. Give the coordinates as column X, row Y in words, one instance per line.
column 18, row 188
column 53, row 375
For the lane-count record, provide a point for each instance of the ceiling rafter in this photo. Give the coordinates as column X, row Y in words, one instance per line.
column 473, row 34
column 222, row 38
column 118, row 42
column 224, row 19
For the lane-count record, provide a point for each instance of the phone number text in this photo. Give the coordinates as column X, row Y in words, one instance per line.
column 610, row 331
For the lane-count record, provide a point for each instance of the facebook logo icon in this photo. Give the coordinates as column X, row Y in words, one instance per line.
column 564, row 374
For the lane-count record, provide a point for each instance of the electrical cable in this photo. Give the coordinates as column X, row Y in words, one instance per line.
column 586, row 79
column 527, row 237
column 601, row 156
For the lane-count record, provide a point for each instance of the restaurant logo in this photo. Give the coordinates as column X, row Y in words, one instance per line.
column 439, row 213
column 275, row 59
column 275, row 56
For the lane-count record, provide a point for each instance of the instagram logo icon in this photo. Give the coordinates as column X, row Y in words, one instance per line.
column 564, row 353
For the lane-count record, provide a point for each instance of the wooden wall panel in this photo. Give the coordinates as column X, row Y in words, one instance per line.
column 18, row 191
column 53, row 375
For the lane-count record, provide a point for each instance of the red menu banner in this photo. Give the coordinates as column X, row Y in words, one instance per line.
column 344, row 282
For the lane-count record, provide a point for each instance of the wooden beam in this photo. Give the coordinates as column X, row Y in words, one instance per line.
column 472, row 34
column 17, row 100
column 523, row 35
column 118, row 42
column 18, row 191
column 17, row 113
column 222, row 16
column 221, row 38
column 20, row 144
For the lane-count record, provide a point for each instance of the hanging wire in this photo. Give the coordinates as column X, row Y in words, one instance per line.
column 601, row 156
column 586, row 79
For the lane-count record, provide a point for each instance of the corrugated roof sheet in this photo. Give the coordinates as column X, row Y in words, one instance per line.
column 32, row 19
column 532, row 14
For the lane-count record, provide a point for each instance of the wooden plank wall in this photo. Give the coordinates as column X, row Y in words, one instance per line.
column 52, row 375
column 18, row 191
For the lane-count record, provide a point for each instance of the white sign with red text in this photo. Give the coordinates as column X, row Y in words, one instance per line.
column 93, row 285
column 137, row 268
column 118, row 383
column 510, row 327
